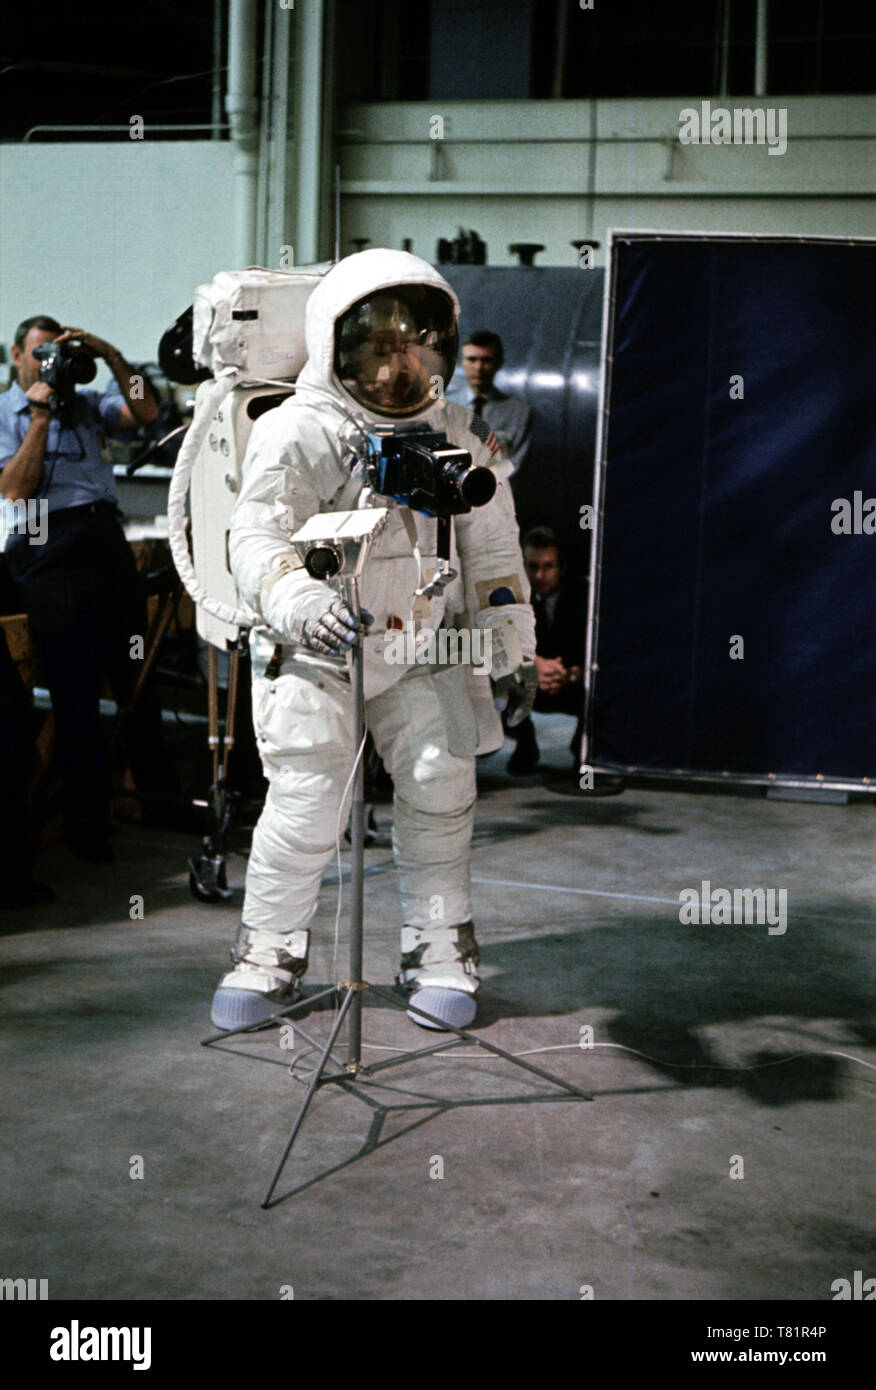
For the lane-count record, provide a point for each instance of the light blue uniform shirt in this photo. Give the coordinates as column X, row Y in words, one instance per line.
column 78, row 466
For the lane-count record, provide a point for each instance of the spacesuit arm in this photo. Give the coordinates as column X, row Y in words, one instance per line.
column 491, row 561
column 489, row 552
column 280, row 492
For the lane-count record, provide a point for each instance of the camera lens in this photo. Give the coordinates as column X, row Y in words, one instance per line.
column 323, row 561
column 477, row 486
column 82, row 367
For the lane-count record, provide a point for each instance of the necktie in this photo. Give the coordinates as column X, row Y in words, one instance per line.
column 478, row 404
column 542, row 623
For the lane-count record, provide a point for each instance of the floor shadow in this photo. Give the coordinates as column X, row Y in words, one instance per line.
column 664, row 983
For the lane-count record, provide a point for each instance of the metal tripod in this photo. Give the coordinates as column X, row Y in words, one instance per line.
column 350, row 991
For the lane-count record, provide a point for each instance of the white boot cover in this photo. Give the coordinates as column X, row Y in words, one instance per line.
column 267, row 968
column 440, row 965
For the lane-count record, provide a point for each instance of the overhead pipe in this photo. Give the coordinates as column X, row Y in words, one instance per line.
column 216, row 94
column 241, row 106
column 308, row 99
column 761, row 41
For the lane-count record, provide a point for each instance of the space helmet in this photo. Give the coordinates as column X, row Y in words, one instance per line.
column 395, row 348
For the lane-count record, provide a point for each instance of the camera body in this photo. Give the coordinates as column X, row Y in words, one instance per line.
column 421, row 470
column 64, row 366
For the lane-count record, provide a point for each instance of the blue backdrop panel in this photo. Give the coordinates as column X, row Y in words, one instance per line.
column 718, row 511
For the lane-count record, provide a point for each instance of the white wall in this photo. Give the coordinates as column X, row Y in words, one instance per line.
column 519, row 171
column 112, row 237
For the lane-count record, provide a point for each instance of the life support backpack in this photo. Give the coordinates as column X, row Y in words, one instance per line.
column 248, row 331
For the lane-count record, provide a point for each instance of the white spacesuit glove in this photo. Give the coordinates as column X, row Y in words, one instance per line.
column 323, row 621
column 519, row 688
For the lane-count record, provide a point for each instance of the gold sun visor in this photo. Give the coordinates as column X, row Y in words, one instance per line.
column 395, row 349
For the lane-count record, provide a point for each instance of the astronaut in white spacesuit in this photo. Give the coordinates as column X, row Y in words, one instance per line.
column 382, row 339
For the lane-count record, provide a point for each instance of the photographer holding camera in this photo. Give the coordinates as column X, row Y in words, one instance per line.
column 74, row 572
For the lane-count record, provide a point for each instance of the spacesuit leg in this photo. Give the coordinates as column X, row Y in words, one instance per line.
column 425, row 731
column 303, row 727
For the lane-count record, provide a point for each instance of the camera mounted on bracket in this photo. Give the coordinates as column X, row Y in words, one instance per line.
column 421, row 470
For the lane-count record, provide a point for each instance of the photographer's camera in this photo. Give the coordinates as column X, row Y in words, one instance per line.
column 64, row 366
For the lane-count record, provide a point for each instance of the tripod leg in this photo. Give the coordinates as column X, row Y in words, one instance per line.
column 308, row 1097
column 279, row 1017
column 481, row 1042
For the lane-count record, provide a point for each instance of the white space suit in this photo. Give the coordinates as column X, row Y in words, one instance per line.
column 298, row 463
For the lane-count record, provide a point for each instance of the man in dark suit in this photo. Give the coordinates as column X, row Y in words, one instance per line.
column 560, row 620
column 510, row 419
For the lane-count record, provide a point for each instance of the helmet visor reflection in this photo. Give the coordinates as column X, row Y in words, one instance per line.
column 395, row 350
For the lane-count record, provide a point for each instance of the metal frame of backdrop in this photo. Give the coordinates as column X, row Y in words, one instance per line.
column 799, row 710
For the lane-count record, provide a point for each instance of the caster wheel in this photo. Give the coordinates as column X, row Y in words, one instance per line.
column 207, row 879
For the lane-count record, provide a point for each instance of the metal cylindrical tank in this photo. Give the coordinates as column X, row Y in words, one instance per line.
column 550, row 321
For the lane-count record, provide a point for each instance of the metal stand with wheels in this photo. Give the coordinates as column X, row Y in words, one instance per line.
column 348, row 994
column 208, row 880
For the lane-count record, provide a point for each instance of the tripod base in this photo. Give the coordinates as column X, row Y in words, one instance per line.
column 349, row 996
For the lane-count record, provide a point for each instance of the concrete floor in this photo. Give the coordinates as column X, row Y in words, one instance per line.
column 577, row 915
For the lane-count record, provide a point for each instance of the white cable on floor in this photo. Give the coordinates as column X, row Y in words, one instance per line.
column 620, row 1047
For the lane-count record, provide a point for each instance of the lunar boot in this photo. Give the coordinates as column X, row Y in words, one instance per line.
column 267, row 968
column 439, row 969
